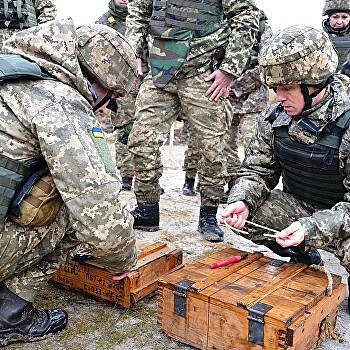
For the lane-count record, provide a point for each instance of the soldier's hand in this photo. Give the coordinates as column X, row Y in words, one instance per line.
column 120, row 276
column 291, row 236
column 235, row 214
column 221, row 85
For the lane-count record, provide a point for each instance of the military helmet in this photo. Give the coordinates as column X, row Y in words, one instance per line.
column 107, row 57
column 297, row 55
column 332, row 6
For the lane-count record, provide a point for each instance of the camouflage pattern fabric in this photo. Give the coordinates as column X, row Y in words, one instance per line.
column 291, row 55
column 45, row 11
column 55, row 119
column 260, row 173
column 115, row 18
column 335, row 6
column 249, row 97
column 237, row 34
column 156, row 110
column 124, row 160
column 192, row 156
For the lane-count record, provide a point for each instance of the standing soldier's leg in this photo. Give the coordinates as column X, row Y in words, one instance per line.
column 124, row 116
column 190, row 165
column 208, row 122
column 231, row 152
column 247, row 126
column 124, row 165
column 156, row 110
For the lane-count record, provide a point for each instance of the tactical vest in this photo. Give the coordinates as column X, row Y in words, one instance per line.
column 17, row 178
column 19, row 14
column 173, row 19
column 311, row 172
column 342, row 46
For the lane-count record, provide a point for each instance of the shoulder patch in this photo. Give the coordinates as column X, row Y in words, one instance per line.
column 111, row 19
column 97, row 132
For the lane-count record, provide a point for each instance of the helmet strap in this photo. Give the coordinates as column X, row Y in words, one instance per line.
column 107, row 97
column 308, row 97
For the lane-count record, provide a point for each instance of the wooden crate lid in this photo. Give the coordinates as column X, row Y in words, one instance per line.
column 147, row 252
column 288, row 290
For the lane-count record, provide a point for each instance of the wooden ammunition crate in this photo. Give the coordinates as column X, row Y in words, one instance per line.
column 154, row 260
column 257, row 303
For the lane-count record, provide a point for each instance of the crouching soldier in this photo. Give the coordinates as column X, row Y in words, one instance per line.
column 304, row 138
column 58, row 184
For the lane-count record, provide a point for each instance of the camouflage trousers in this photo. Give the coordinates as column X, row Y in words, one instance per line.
column 246, row 128
column 192, row 153
column 279, row 211
column 29, row 257
column 191, row 156
column 123, row 160
column 125, row 114
column 208, row 121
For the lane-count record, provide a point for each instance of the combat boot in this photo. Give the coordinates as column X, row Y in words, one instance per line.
column 20, row 321
column 297, row 254
column 126, row 183
column 188, row 187
column 208, row 224
column 146, row 216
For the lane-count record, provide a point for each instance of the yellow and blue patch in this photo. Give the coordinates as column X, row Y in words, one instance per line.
column 97, row 132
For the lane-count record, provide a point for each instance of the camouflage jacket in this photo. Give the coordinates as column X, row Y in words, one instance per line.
column 54, row 118
column 249, row 94
column 45, row 11
column 237, row 34
column 261, row 171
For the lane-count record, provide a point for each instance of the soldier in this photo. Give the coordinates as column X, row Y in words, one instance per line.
column 305, row 138
column 184, row 38
column 337, row 26
column 125, row 114
column 30, row 13
column 248, row 97
column 59, row 189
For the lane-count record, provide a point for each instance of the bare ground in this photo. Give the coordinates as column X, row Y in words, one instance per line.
column 95, row 325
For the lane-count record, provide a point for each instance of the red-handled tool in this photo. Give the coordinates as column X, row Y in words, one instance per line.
column 230, row 260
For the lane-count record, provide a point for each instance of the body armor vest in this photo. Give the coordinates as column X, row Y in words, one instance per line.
column 17, row 178
column 311, row 172
column 342, row 46
column 19, row 14
column 173, row 19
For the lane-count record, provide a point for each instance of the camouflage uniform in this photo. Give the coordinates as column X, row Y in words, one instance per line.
column 318, row 194
column 115, row 18
column 43, row 11
column 54, row 118
column 340, row 37
column 249, row 98
column 180, row 61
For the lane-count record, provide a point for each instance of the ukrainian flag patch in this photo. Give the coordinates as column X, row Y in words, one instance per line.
column 97, row 132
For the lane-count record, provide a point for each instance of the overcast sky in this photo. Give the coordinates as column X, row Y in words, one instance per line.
column 281, row 13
